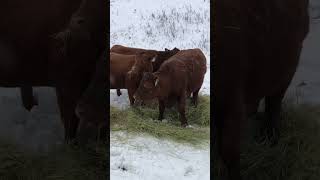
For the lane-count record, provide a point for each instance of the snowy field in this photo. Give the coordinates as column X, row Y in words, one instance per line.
column 157, row 25
column 40, row 130
column 144, row 157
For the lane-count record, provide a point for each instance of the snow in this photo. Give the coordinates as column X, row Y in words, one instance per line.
column 39, row 130
column 158, row 24
column 143, row 158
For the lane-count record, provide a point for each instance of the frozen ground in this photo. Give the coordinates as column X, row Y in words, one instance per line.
column 158, row 24
column 145, row 158
column 39, row 130
column 306, row 82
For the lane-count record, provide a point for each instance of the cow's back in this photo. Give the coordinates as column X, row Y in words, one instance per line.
column 186, row 68
column 119, row 66
column 126, row 50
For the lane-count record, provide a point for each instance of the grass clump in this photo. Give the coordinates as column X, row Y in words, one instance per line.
column 144, row 120
column 70, row 162
column 296, row 156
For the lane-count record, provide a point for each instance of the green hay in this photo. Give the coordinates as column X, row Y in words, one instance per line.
column 68, row 163
column 144, row 120
column 295, row 157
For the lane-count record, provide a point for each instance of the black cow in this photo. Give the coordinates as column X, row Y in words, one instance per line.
column 257, row 49
column 34, row 53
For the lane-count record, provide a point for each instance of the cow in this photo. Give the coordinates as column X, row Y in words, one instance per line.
column 127, row 70
column 91, row 108
column 257, row 49
column 161, row 55
column 179, row 76
column 29, row 58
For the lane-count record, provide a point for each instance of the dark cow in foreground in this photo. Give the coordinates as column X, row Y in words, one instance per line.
column 91, row 108
column 257, row 50
column 26, row 57
column 177, row 77
column 126, row 70
column 161, row 55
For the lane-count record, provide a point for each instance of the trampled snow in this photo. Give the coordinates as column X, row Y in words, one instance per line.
column 158, row 24
column 146, row 158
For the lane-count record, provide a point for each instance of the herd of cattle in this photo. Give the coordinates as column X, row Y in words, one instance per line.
column 60, row 44
column 257, row 46
column 169, row 76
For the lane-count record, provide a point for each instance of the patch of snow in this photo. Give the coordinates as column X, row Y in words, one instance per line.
column 143, row 158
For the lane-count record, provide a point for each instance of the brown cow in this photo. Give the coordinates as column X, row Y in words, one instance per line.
column 161, row 55
column 177, row 77
column 257, row 49
column 126, row 70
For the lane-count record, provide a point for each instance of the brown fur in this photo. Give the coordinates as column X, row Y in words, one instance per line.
column 257, row 49
column 127, row 69
column 180, row 75
column 161, row 55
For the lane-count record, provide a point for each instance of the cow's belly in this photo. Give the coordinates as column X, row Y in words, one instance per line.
column 267, row 83
column 13, row 73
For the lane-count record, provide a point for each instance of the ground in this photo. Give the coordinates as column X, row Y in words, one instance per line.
column 306, row 82
column 158, row 25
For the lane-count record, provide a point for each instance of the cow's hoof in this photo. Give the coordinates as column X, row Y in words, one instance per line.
column 184, row 125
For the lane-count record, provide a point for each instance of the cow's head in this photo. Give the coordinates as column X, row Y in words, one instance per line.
column 148, row 88
column 86, row 30
column 144, row 61
column 163, row 56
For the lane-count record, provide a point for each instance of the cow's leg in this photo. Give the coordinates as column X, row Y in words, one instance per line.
column 181, row 108
column 130, row 94
column 118, row 92
column 195, row 97
column 273, row 113
column 161, row 109
column 28, row 100
column 252, row 108
column 231, row 137
column 67, row 100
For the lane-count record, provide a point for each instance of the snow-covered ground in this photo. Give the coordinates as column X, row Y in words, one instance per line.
column 145, row 158
column 158, row 24
column 308, row 71
column 40, row 130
